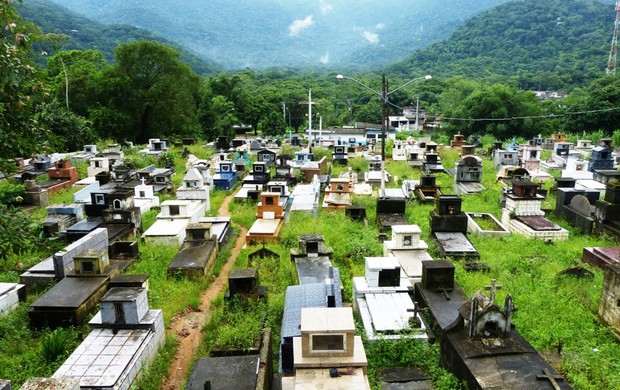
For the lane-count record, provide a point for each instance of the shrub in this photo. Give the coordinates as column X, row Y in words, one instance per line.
column 11, row 193
column 54, row 345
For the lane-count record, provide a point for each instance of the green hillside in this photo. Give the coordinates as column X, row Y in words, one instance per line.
column 546, row 44
column 86, row 34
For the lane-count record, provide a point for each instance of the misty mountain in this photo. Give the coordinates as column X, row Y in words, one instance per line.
column 292, row 33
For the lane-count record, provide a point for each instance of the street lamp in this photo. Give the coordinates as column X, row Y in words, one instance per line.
column 384, row 100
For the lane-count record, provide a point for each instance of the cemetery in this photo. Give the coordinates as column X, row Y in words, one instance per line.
column 297, row 300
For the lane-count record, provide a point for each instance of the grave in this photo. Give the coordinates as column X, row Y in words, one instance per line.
column 260, row 174
column 220, row 226
column 114, row 154
column 281, row 188
column 337, row 194
column 312, row 168
column 432, row 163
column 5, row 384
column 225, row 373
column 468, row 176
column 327, row 343
column 71, row 300
column 448, row 226
column 457, row 141
column 193, row 187
column 478, row 342
column 305, row 197
column 312, row 259
column 197, row 254
column 50, row 383
column 144, row 197
column 85, row 155
column 605, row 176
column 530, row 160
column 35, row 194
column 391, row 206
column 325, row 293
column 62, row 175
column 577, row 207
column 301, row 157
column 485, row 224
column 415, row 155
column 98, row 165
column 399, row 151
column 125, row 339
column 408, row 249
column 60, row 217
column 269, row 219
column 175, row 215
column 340, row 155
column 577, row 169
column 155, row 147
column 355, row 212
column 225, row 177
column 522, row 213
column 284, row 170
column 10, row 296
column 561, row 152
column 607, row 211
column 162, row 180
column 244, row 283
column 381, row 299
column 503, row 158
column 222, row 143
column 601, row 159
column 267, row 156
column 376, row 175
column 601, row 257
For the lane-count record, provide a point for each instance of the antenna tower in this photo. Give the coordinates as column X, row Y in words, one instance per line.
column 611, row 63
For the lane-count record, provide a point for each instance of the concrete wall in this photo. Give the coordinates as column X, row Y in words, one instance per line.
column 63, row 260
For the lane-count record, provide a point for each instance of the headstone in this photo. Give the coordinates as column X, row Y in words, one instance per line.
column 581, row 204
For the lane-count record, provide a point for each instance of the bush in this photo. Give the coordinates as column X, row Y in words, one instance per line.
column 54, row 345
column 11, row 193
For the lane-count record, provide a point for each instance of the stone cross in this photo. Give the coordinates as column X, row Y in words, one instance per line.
column 492, row 288
column 142, row 180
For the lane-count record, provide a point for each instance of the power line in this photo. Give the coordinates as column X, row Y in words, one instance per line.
column 531, row 116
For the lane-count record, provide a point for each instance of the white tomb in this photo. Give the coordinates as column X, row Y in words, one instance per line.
column 193, row 187
column 175, row 215
column 410, row 251
column 98, row 165
column 10, row 295
column 144, row 197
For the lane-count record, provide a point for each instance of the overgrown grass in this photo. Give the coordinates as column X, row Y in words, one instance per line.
column 154, row 375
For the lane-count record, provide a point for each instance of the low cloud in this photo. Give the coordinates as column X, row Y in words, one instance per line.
column 300, row 24
column 371, row 36
column 380, row 26
column 324, row 59
column 325, row 7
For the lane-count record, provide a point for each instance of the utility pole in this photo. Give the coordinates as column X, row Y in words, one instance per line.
column 417, row 113
column 309, row 103
column 384, row 115
column 613, row 51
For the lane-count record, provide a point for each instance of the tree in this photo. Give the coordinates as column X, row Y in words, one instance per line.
column 20, row 90
column 150, row 86
column 71, row 130
column 272, row 124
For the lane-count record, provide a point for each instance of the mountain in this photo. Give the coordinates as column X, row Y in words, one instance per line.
column 85, row 34
column 292, row 33
column 545, row 44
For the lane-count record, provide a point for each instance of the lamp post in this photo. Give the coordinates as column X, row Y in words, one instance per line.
column 384, row 101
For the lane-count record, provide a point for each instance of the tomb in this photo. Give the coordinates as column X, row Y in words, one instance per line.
column 161, row 179
column 197, row 254
column 260, row 174
column 337, row 194
column 125, row 339
column 577, row 169
column 305, row 197
column 225, row 177
column 457, row 141
column 485, row 224
column 10, row 296
column 85, row 155
column 193, row 187
column 505, row 157
column 561, row 152
column 284, row 170
column 114, row 154
column 35, row 194
column 391, row 206
column 605, row 176
column 340, row 155
column 282, row 188
column 584, row 146
column 522, row 213
column 269, row 219
column 144, row 197
column 325, row 293
column 98, row 165
column 267, row 156
column 71, row 300
column 226, row 373
column 175, row 215
column 301, row 157
column 577, row 207
column 327, row 343
column 382, row 301
column 377, row 175
column 244, row 283
column 355, row 212
column 607, row 211
column 62, row 175
column 60, row 217
column 530, row 160
column 414, row 154
column 319, row 168
column 408, row 249
column 432, row 163
column 222, row 143
column 609, row 307
column 399, row 151
column 220, row 226
column 468, row 175
column 448, row 226
column 155, row 147
column 478, row 342
column 601, row 159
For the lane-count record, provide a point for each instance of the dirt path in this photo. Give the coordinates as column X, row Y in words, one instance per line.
column 187, row 327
